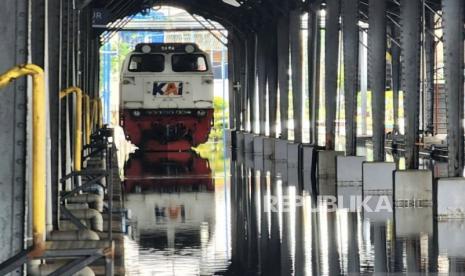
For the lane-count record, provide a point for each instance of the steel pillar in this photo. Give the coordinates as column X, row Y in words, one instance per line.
column 410, row 57
column 313, row 53
column 237, row 64
column 53, row 70
column 429, row 51
column 453, row 73
column 350, row 34
column 262, row 48
column 232, row 97
column 13, row 144
column 395, row 75
column 250, row 52
column 377, row 72
column 272, row 72
column 295, row 40
column 283, row 76
column 331, row 69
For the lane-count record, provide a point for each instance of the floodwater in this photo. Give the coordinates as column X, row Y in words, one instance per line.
column 223, row 213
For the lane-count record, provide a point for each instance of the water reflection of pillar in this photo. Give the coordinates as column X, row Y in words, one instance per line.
column 264, row 242
column 398, row 255
column 413, row 255
column 286, row 253
column 379, row 241
column 316, row 271
column 235, row 237
column 241, row 218
column 275, row 241
column 353, row 258
column 333, row 254
column 252, row 230
column 299, row 263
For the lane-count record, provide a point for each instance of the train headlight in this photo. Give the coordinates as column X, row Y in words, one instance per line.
column 201, row 113
column 189, row 49
column 136, row 113
column 146, row 49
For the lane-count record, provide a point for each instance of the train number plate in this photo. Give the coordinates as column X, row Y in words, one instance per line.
column 173, row 88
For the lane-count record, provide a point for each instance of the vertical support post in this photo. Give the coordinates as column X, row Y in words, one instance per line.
column 53, row 70
column 262, row 45
column 377, row 73
column 272, row 72
column 429, row 45
column 331, row 69
column 251, row 50
column 453, row 73
column 363, row 83
column 314, row 69
column 13, row 146
column 295, row 39
column 232, row 95
column 283, row 76
column 410, row 58
column 395, row 75
column 350, row 45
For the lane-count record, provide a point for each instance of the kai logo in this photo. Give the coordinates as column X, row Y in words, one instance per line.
column 167, row 89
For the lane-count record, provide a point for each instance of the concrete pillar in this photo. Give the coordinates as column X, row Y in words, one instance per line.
column 377, row 72
column 350, row 43
column 453, row 74
column 295, row 37
column 410, row 57
column 283, row 76
column 313, row 53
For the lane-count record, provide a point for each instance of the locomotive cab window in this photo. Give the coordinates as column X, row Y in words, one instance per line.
column 189, row 63
column 147, row 63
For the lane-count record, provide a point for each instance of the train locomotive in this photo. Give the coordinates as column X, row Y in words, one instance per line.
column 166, row 99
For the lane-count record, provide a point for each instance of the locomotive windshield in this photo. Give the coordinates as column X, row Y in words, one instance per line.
column 147, row 63
column 189, row 63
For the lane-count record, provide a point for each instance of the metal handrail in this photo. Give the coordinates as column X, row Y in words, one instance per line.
column 38, row 149
column 78, row 136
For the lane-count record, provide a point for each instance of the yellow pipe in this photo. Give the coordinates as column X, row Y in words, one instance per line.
column 78, row 136
column 38, row 148
column 100, row 112
column 94, row 118
column 87, row 114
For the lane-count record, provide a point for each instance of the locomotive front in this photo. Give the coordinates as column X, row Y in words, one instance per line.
column 166, row 99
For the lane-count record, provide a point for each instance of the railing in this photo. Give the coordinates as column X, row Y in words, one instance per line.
column 84, row 252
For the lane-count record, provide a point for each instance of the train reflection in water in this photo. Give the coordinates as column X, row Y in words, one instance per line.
column 172, row 199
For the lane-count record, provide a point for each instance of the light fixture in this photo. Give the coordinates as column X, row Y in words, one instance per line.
column 146, row 49
column 189, row 49
column 232, row 3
